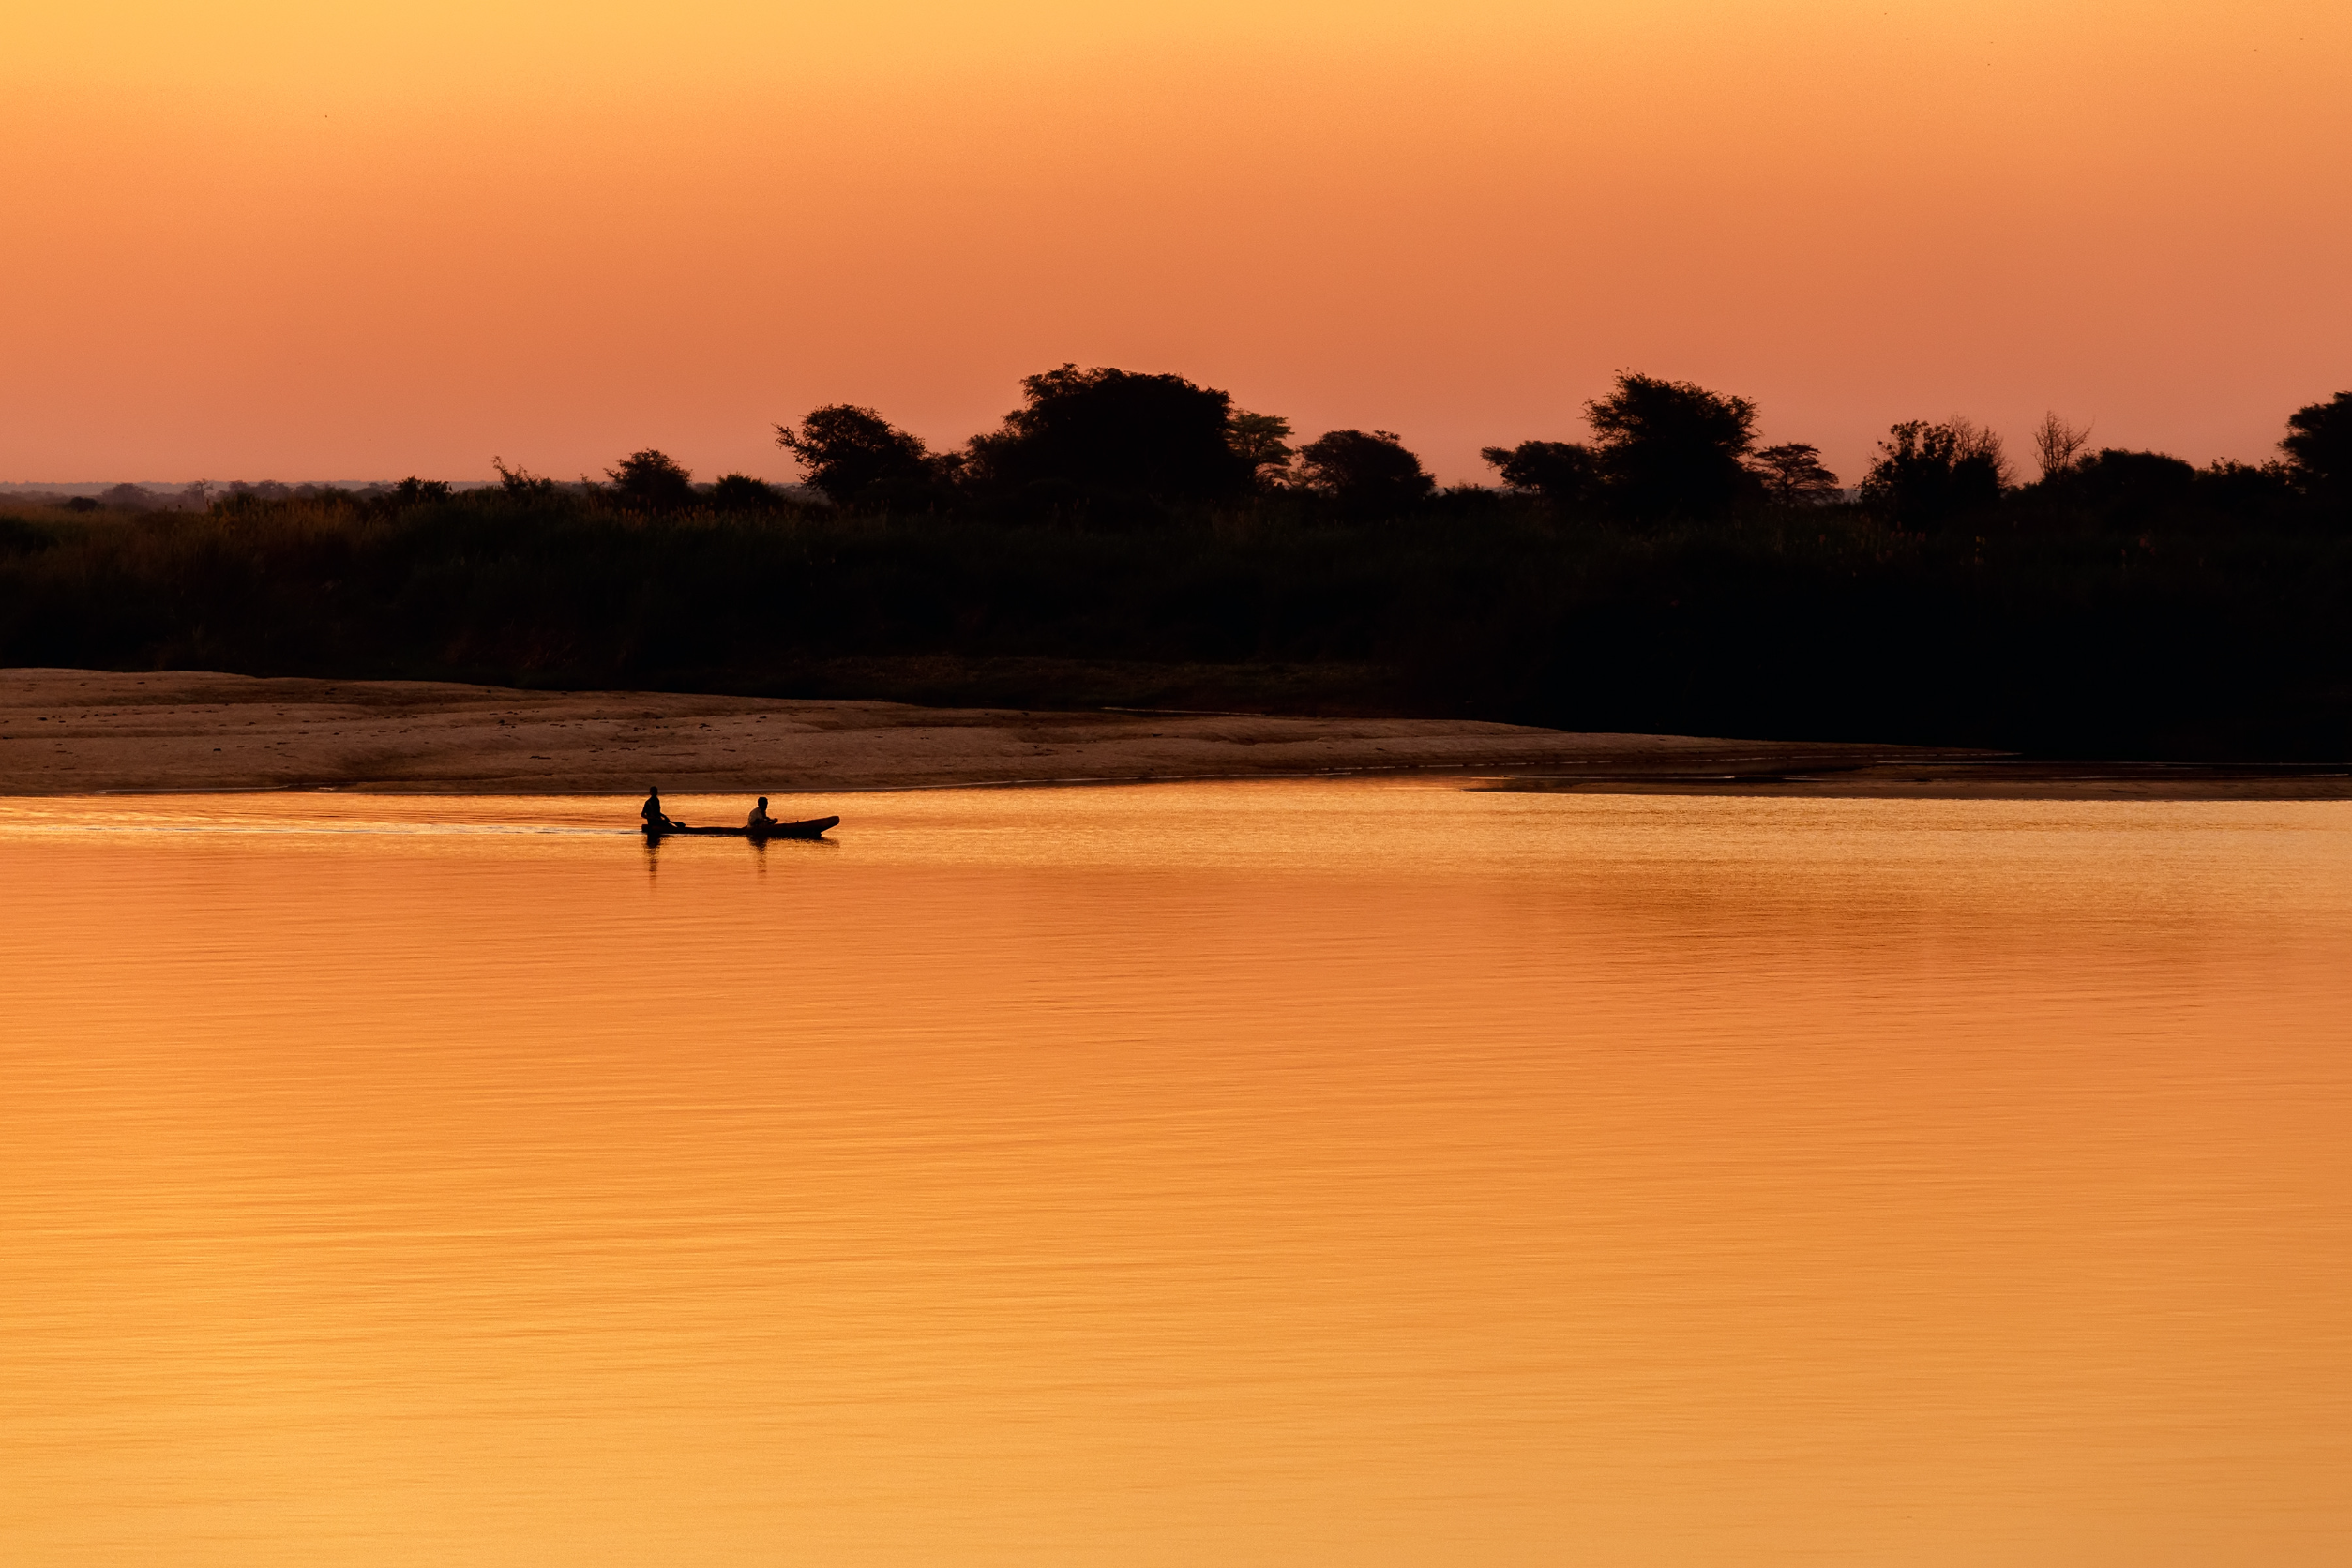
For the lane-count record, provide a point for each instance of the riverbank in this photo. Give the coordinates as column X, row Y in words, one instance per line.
column 77, row 732
column 87, row 732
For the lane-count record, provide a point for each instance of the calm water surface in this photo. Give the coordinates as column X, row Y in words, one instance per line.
column 1268, row 1174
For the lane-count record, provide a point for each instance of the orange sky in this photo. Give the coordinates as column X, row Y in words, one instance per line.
column 276, row 240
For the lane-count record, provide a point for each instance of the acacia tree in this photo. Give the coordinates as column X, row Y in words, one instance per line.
column 847, row 452
column 1264, row 441
column 1670, row 448
column 1794, row 476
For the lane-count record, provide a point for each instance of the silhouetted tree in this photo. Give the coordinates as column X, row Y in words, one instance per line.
column 2318, row 447
column 2057, row 442
column 1264, row 441
column 2136, row 480
column 1370, row 475
column 129, row 497
column 741, row 493
column 852, row 454
column 1671, row 450
column 1564, row 472
column 2133, row 491
column 1116, row 430
column 1982, row 442
column 653, row 480
column 2245, row 491
column 1794, row 476
column 1929, row 473
column 520, row 484
column 411, row 491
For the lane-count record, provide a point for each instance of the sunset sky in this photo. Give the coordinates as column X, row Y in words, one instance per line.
column 299, row 241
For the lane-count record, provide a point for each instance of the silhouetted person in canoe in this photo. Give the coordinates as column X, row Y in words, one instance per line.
column 651, row 811
column 760, row 822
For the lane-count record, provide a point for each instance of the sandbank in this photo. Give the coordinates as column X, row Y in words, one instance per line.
column 79, row 731
column 88, row 731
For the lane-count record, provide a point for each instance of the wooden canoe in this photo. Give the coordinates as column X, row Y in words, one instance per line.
column 813, row 828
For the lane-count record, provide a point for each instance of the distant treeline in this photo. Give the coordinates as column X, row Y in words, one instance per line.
column 1135, row 540
column 1104, row 445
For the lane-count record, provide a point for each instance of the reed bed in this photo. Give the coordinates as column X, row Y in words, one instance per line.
column 2201, row 638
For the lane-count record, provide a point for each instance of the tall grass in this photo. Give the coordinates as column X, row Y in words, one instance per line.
column 1820, row 624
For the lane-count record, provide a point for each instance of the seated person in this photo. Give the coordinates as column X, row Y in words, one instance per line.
column 759, row 820
column 651, row 811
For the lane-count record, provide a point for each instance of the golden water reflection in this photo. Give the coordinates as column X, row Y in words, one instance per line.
column 1260, row 1173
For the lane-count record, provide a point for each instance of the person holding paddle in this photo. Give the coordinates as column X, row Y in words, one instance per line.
column 651, row 811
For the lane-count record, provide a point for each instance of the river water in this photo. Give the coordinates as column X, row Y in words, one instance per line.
column 1367, row 1173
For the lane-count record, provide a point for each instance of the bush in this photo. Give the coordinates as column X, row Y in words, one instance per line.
column 650, row 479
column 2115, row 482
column 1928, row 474
column 21, row 537
column 741, row 493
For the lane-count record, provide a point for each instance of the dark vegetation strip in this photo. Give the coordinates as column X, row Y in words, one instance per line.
column 1135, row 541
column 1822, row 625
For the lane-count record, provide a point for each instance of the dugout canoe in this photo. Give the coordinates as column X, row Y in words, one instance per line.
column 813, row 828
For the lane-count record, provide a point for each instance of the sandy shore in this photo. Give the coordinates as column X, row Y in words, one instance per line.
column 72, row 732
column 81, row 731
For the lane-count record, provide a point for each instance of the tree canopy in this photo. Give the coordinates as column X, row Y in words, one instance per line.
column 1794, row 475
column 1672, row 449
column 1366, row 471
column 1109, row 429
column 2318, row 447
column 649, row 478
column 1264, row 440
column 1565, row 472
column 1928, row 474
column 850, row 452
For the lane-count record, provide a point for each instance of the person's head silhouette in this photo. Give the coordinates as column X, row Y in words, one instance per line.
column 764, row 803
